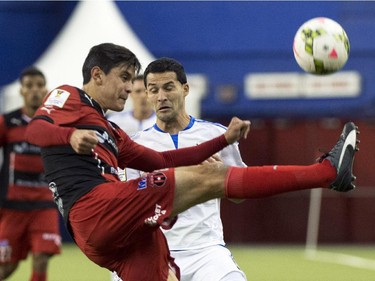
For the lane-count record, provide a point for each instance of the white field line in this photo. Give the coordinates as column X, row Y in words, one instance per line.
column 341, row 259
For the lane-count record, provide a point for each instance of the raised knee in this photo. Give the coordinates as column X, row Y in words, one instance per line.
column 7, row 269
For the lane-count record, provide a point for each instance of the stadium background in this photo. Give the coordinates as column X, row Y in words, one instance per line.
column 224, row 42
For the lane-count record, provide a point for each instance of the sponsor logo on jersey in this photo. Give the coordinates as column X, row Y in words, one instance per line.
column 105, row 138
column 142, row 184
column 56, row 197
column 16, row 121
column 26, row 148
column 155, row 179
column 47, row 108
column 152, row 221
column 57, row 98
column 52, row 237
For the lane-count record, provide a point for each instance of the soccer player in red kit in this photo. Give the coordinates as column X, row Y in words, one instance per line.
column 28, row 216
column 117, row 224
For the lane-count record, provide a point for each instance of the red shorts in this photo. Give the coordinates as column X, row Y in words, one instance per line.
column 117, row 226
column 24, row 231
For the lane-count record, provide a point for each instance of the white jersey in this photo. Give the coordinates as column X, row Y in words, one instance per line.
column 200, row 226
column 126, row 121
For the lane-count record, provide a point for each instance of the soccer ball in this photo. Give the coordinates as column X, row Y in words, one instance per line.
column 321, row 46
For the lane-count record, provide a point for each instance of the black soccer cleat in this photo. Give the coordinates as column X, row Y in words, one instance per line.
column 342, row 158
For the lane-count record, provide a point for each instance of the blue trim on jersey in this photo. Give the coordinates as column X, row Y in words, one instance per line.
column 175, row 136
column 213, row 123
column 191, row 123
column 158, row 129
column 175, row 140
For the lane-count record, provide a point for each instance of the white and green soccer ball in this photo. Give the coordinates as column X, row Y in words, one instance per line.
column 321, row 46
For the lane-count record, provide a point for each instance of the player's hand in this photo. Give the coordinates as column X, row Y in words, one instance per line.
column 213, row 159
column 237, row 129
column 83, row 141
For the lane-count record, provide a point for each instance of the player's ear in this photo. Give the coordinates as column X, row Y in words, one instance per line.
column 186, row 89
column 97, row 74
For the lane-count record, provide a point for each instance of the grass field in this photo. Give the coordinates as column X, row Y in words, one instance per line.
column 260, row 263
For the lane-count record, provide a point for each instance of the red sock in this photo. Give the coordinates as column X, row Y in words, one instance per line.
column 38, row 276
column 256, row 182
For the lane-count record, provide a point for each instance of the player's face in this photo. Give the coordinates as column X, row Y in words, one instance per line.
column 33, row 90
column 167, row 95
column 115, row 87
column 139, row 96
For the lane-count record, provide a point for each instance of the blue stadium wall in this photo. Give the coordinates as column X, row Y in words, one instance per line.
column 226, row 41
column 223, row 40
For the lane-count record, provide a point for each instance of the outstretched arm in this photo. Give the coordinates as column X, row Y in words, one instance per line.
column 43, row 133
column 145, row 159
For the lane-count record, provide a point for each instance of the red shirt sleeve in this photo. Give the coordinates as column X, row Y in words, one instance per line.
column 53, row 121
column 43, row 133
column 145, row 159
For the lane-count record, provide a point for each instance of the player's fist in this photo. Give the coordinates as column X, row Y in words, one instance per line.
column 237, row 129
column 83, row 141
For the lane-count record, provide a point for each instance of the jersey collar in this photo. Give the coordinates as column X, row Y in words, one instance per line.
column 191, row 123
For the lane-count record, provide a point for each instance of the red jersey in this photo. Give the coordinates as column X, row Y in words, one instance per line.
column 22, row 182
column 71, row 175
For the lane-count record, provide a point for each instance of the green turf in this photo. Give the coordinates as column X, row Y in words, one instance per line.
column 71, row 265
column 289, row 263
column 260, row 263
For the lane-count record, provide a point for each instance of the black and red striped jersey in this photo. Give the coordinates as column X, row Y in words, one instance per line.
column 22, row 180
column 71, row 175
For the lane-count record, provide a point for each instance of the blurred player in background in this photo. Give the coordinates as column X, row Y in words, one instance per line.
column 142, row 115
column 196, row 240
column 117, row 224
column 28, row 216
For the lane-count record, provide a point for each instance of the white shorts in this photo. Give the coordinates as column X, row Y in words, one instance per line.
column 212, row 263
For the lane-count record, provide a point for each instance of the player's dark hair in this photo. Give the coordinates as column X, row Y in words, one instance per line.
column 31, row 71
column 164, row 65
column 107, row 56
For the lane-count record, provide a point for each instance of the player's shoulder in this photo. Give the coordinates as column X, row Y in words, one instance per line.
column 66, row 89
column 59, row 95
column 209, row 125
column 148, row 131
column 13, row 118
column 13, row 113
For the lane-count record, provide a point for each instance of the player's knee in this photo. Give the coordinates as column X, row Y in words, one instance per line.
column 6, row 270
column 213, row 178
column 40, row 261
column 214, row 169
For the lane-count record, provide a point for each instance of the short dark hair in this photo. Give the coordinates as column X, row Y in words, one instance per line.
column 165, row 65
column 31, row 71
column 107, row 56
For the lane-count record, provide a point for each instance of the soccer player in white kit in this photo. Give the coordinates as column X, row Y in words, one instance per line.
column 196, row 240
column 141, row 116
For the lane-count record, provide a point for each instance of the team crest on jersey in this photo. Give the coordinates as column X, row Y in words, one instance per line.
column 156, row 179
column 57, row 98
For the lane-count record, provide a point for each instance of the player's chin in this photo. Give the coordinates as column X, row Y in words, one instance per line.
column 118, row 107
